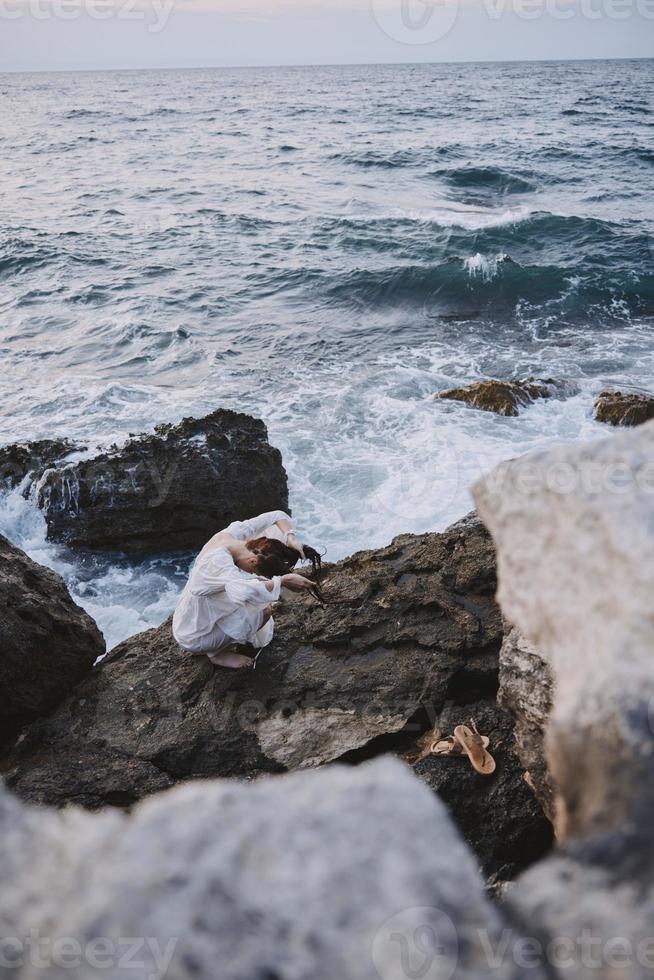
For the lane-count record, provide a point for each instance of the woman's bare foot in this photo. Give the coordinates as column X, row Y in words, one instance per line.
column 236, row 661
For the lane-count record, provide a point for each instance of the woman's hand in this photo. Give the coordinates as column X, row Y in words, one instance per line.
column 293, row 543
column 296, row 583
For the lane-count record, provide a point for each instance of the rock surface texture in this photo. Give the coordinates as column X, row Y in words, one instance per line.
column 355, row 874
column 409, row 630
column 624, row 407
column 526, row 692
column 47, row 643
column 587, row 512
column 499, row 817
column 32, row 458
column 506, row 397
column 167, row 491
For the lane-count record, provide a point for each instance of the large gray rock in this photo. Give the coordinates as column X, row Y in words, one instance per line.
column 355, row 874
column 47, row 643
column 587, row 513
column 574, row 529
column 527, row 691
column 170, row 490
column 410, row 631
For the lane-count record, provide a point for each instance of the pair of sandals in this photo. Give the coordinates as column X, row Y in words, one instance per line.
column 466, row 740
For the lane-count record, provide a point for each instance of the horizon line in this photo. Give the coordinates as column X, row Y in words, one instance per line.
column 326, row 64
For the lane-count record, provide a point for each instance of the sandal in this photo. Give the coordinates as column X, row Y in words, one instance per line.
column 472, row 743
column 423, row 749
column 450, row 745
column 445, row 746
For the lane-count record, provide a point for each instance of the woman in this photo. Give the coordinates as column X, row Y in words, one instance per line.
column 222, row 607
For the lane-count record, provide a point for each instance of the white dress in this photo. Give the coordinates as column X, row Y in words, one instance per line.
column 222, row 605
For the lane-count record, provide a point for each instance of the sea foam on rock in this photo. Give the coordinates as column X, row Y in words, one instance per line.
column 47, row 643
column 22, row 460
column 166, row 491
column 355, row 874
column 409, row 632
column 576, row 575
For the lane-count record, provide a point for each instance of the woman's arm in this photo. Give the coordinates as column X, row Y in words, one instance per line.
column 217, row 573
column 254, row 528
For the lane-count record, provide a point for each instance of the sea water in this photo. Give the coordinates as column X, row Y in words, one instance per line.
column 323, row 248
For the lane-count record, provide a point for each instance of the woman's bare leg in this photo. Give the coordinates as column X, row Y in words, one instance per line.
column 230, row 657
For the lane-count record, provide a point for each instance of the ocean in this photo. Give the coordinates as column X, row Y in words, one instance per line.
column 323, row 248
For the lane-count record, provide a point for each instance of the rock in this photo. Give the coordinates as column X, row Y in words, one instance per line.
column 624, row 407
column 409, row 629
column 497, row 815
column 587, row 514
column 47, row 643
column 21, row 460
column 355, row 874
column 167, row 491
column 526, row 691
column 507, row 397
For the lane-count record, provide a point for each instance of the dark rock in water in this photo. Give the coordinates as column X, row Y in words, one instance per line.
column 408, row 629
column 47, row 643
column 624, row 407
column 507, row 397
column 167, row 491
column 497, row 815
column 20, row 460
column 527, row 692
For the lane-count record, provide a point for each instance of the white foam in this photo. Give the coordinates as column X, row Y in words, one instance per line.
column 369, row 454
column 486, row 267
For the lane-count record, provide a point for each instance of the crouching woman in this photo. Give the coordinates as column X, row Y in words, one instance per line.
column 238, row 575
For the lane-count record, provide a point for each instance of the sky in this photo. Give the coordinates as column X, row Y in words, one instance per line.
column 38, row 35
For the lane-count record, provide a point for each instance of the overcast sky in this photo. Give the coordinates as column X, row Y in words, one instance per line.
column 74, row 34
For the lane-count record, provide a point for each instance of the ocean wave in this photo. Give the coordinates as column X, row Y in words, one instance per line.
column 486, row 178
column 18, row 256
column 377, row 158
column 492, row 283
column 84, row 113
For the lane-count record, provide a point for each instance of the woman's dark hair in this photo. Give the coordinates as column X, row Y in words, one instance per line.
column 276, row 558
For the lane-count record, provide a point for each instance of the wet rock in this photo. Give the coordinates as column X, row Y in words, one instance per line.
column 624, row 407
column 21, row 460
column 167, row 491
column 585, row 606
column 407, row 628
column 526, row 692
column 356, row 874
column 507, row 397
column 497, row 815
column 47, row 643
